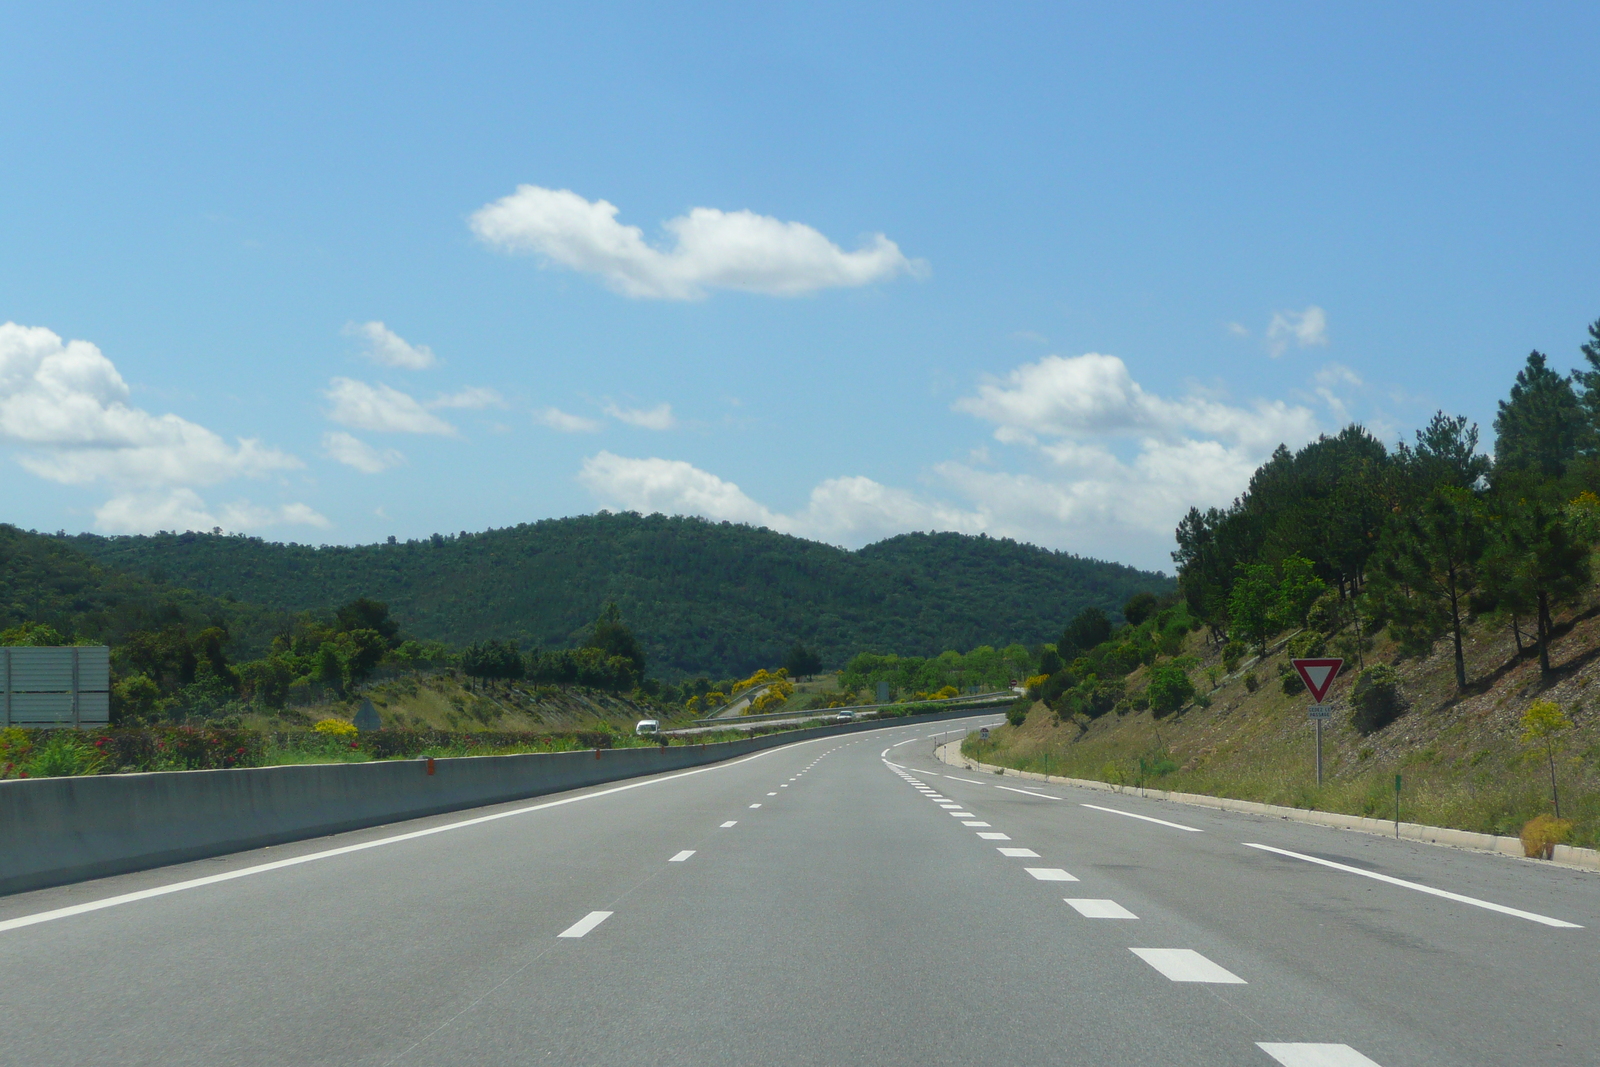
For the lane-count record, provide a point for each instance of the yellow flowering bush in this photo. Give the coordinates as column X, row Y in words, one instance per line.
column 338, row 728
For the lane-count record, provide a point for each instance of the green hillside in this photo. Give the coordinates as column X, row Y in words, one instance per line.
column 705, row 598
column 50, row 581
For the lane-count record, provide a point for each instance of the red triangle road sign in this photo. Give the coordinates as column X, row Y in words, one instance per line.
column 1318, row 674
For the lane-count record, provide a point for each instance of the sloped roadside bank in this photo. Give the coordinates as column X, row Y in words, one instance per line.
column 1564, row 855
column 59, row 830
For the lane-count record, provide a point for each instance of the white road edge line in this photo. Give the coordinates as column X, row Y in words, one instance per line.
column 1420, row 888
column 680, row 857
column 585, row 924
column 1310, row 1054
column 969, row 781
column 1147, row 818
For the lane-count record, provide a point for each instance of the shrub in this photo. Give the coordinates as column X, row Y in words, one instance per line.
column 63, row 756
column 336, row 728
column 1542, row 833
column 1232, row 653
column 1017, row 714
column 1170, row 689
column 1292, row 683
column 1251, row 682
column 1307, row 644
column 1376, row 699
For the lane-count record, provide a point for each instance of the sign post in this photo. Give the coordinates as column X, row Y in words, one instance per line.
column 1318, row 674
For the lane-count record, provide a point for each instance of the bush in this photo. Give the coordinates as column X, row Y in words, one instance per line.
column 1376, row 699
column 1017, row 714
column 1307, row 644
column 1292, row 683
column 337, row 728
column 1232, row 653
column 64, row 755
column 1170, row 689
column 1542, row 833
column 1251, row 682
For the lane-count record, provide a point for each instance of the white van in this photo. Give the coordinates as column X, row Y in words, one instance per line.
column 647, row 727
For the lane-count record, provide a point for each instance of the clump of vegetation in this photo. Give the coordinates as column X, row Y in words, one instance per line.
column 1375, row 699
column 1542, row 833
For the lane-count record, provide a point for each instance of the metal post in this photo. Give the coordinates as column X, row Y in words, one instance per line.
column 1319, row 752
column 1397, row 805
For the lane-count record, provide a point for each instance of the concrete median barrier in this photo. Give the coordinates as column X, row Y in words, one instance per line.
column 59, row 830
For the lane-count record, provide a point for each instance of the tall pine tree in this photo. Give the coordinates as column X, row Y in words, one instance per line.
column 1541, row 425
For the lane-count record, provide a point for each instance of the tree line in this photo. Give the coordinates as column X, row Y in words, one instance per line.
column 1345, row 537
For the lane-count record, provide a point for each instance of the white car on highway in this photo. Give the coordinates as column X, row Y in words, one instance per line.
column 647, row 727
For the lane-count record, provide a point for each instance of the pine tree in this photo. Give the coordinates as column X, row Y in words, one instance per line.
column 1428, row 560
column 1541, row 425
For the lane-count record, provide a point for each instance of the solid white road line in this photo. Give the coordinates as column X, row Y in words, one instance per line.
column 1091, row 908
column 994, row 836
column 1307, row 1054
column 969, row 781
column 1050, row 874
column 1186, row 965
column 1474, row 901
column 730, row 822
column 585, row 924
column 1019, row 853
column 974, row 822
column 680, row 857
column 1146, row 818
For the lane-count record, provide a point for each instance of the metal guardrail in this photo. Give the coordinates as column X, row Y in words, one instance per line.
column 947, row 702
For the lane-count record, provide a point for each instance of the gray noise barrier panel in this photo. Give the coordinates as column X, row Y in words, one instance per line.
column 59, row 830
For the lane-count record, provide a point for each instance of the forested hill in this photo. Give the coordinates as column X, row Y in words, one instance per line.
column 705, row 598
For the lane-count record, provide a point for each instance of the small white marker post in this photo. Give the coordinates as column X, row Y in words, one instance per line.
column 1318, row 674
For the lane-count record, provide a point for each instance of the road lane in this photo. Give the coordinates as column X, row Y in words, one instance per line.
column 850, row 918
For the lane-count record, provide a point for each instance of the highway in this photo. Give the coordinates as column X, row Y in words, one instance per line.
column 848, row 900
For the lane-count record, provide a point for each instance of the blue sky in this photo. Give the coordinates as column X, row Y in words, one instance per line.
column 1054, row 272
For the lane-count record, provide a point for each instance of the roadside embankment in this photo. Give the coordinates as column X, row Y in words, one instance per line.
column 1563, row 855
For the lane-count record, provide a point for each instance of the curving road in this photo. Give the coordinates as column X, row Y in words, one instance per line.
column 841, row 901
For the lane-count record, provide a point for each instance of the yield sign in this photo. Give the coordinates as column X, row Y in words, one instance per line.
column 1318, row 674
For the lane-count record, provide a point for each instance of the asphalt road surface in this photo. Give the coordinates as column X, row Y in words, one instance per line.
column 841, row 901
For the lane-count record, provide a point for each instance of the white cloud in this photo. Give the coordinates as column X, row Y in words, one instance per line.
column 388, row 349
column 656, row 418
column 712, row 249
column 850, row 510
column 1238, row 329
column 1332, row 378
column 557, row 419
column 182, row 509
column 68, row 406
column 381, row 408
column 354, row 452
column 1303, row 328
column 1093, row 395
column 1122, row 464
column 472, row 397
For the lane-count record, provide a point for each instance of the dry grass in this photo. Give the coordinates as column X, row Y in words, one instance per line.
column 1460, row 755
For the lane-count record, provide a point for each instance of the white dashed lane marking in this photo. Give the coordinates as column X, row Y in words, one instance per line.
column 1187, row 965
column 994, row 836
column 974, row 822
column 1091, row 908
column 755, row 805
column 680, row 857
column 1050, row 874
column 585, row 924
column 730, row 822
column 1307, row 1054
column 1019, row 853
